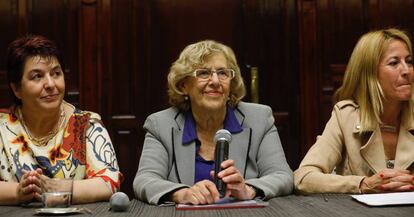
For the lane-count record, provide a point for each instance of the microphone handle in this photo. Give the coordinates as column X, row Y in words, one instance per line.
column 220, row 154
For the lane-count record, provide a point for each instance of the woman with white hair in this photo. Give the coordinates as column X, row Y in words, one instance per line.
column 205, row 88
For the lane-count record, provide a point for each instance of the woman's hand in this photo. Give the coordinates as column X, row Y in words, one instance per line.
column 29, row 186
column 203, row 192
column 388, row 180
column 236, row 186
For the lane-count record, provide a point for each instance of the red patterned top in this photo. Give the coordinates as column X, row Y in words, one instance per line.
column 82, row 149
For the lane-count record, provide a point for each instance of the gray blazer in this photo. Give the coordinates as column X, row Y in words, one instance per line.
column 166, row 164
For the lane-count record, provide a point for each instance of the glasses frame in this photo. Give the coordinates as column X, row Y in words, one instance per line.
column 211, row 71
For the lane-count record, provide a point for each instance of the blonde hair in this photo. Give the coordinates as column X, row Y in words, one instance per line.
column 192, row 57
column 361, row 80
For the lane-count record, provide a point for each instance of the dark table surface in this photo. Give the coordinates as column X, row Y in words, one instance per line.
column 292, row 205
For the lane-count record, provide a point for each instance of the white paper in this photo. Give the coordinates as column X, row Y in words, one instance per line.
column 386, row 199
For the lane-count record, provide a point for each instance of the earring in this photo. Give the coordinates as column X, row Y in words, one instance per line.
column 185, row 97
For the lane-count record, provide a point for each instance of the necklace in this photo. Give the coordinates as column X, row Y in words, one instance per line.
column 388, row 128
column 42, row 141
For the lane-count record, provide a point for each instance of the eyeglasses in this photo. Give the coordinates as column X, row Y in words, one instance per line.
column 222, row 74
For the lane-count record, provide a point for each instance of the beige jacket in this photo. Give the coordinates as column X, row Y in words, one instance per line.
column 354, row 156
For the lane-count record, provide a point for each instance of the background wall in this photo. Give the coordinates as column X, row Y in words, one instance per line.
column 117, row 54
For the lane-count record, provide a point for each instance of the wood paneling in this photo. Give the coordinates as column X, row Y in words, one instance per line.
column 117, row 54
column 254, row 29
column 389, row 13
column 340, row 24
column 89, row 76
column 124, row 90
column 127, row 135
column 161, row 29
column 8, row 22
column 309, row 77
column 329, row 30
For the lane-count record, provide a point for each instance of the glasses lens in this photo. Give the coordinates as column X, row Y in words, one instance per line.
column 223, row 74
column 202, row 73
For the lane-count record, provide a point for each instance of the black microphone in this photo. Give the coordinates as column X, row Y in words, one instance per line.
column 119, row 202
column 221, row 153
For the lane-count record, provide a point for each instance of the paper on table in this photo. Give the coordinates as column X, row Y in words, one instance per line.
column 225, row 204
column 386, row 199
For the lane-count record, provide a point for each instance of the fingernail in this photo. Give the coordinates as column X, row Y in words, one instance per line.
column 412, row 188
column 381, row 175
column 381, row 187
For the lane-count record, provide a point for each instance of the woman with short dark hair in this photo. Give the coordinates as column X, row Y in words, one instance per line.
column 43, row 137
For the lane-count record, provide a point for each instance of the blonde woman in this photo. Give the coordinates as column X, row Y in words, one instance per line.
column 369, row 138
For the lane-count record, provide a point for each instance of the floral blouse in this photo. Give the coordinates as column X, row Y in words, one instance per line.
column 82, row 149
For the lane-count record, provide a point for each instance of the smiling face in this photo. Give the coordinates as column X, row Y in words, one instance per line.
column 42, row 86
column 395, row 72
column 211, row 94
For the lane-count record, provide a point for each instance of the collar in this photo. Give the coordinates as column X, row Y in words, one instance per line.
column 373, row 150
column 407, row 122
column 190, row 133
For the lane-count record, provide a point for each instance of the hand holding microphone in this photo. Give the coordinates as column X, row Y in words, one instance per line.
column 234, row 182
column 221, row 153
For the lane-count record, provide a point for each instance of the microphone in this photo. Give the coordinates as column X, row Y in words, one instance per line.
column 119, row 202
column 221, row 153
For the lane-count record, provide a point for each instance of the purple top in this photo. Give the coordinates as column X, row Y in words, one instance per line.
column 202, row 166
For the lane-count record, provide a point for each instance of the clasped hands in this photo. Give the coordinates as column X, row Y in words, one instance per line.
column 388, row 180
column 29, row 187
column 205, row 192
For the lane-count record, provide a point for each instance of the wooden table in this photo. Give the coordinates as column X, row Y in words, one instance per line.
column 292, row 205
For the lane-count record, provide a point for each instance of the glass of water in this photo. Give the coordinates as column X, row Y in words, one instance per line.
column 56, row 193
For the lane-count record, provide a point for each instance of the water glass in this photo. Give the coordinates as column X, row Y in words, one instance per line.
column 57, row 193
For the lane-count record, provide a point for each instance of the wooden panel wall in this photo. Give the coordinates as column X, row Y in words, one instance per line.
column 163, row 28
column 125, row 88
column 329, row 29
column 8, row 22
column 117, row 54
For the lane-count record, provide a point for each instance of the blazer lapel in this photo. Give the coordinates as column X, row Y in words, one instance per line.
column 184, row 153
column 239, row 146
column 238, row 149
column 405, row 146
column 373, row 152
column 185, row 158
column 404, row 155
